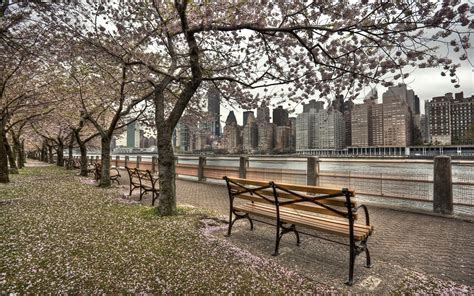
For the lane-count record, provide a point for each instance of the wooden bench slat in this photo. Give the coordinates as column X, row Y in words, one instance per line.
column 330, row 223
column 335, row 201
column 306, row 206
column 294, row 187
column 314, row 222
column 327, row 220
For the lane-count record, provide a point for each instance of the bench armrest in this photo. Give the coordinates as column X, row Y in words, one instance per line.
column 117, row 171
column 366, row 212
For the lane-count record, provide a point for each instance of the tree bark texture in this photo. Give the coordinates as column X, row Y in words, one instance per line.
column 50, row 154
column 18, row 149
column 3, row 157
column 44, row 153
column 10, row 155
column 21, row 155
column 105, row 161
column 70, row 147
column 83, row 149
column 60, row 154
column 167, row 177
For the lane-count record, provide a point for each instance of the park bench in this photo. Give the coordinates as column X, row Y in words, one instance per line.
column 145, row 181
column 293, row 207
column 114, row 173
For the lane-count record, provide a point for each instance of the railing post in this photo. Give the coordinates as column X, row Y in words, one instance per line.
column 117, row 159
column 97, row 159
column 202, row 163
column 139, row 159
column 442, row 185
column 243, row 167
column 126, row 161
column 154, row 162
column 92, row 159
column 312, row 171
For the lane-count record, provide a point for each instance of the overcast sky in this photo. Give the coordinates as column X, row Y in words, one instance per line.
column 427, row 83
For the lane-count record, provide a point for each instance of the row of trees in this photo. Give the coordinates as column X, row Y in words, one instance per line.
column 72, row 73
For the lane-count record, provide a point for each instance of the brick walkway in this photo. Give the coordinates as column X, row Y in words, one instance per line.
column 435, row 245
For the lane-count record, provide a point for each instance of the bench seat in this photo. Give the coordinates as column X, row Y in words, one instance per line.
column 292, row 216
column 295, row 206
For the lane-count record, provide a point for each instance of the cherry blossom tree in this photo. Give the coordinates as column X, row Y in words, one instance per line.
column 299, row 49
column 308, row 47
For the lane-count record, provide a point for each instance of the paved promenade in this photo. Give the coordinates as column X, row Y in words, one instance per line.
column 439, row 246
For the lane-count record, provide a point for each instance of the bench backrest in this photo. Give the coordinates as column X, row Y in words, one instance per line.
column 313, row 199
column 141, row 177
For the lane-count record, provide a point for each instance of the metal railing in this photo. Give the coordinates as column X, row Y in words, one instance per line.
column 411, row 185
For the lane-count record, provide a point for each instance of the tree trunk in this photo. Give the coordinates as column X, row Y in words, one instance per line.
column 3, row 157
column 105, row 162
column 21, row 155
column 50, row 154
column 17, row 148
column 70, row 147
column 83, row 149
column 10, row 155
column 167, row 177
column 44, row 153
column 60, row 154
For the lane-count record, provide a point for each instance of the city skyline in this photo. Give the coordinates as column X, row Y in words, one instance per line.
column 426, row 83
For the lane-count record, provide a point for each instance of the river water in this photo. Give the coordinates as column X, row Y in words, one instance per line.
column 382, row 188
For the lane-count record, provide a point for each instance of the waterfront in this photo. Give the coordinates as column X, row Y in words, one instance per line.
column 390, row 182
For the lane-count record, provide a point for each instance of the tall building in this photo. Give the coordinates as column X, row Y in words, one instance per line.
column 266, row 131
column 397, row 123
column 462, row 119
column 133, row 135
column 345, row 107
column 322, row 129
column 263, row 113
column 329, row 130
column 282, row 138
column 292, row 139
column 214, row 113
column 280, row 116
column 376, row 122
column 424, row 128
column 232, row 134
column 250, row 134
column 304, row 130
column 440, row 119
column 362, row 124
column 313, row 104
column 449, row 118
column 246, row 116
column 182, row 138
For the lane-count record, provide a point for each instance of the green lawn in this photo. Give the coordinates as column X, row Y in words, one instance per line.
column 60, row 235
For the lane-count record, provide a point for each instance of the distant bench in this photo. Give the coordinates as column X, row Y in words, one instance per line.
column 145, row 181
column 96, row 168
column 295, row 206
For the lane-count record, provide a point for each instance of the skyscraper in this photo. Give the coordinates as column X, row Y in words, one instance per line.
column 462, row 118
column 440, row 119
column 263, row 113
column 449, row 118
column 246, row 116
column 397, row 123
column 329, row 130
column 133, row 135
column 232, row 134
column 362, row 124
column 250, row 134
column 304, row 130
column 313, row 104
column 280, row 116
column 214, row 113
